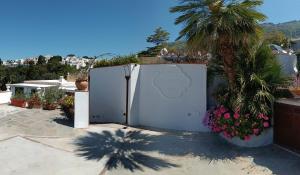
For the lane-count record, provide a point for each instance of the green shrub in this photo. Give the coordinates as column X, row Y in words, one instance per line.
column 258, row 79
column 122, row 60
column 247, row 109
column 52, row 95
column 151, row 51
column 67, row 106
column 68, row 101
column 19, row 96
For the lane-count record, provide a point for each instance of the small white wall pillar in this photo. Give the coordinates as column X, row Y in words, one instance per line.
column 81, row 117
column 13, row 90
column 8, row 88
column 132, row 114
column 5, row 97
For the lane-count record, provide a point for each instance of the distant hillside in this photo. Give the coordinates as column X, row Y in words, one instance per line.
column 290, row 29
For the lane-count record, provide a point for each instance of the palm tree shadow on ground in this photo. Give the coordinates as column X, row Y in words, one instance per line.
column 131, row 150
column 124, row 149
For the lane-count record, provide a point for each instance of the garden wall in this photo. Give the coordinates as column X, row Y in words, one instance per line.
column 288, row 64
column 107, row 94
column 170, row 96
column 5, row 97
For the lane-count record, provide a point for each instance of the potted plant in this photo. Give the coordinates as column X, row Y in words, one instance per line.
column 82, row 81
column 51, row 98
column 67, row 106
column 295, row 89
column 243, row 113
column 34, row 102
column 246, row 130
column 18, row 100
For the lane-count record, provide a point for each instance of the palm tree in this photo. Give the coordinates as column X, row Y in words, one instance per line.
column 220, row 26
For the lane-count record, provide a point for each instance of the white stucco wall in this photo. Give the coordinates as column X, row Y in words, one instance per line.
column 134, row 94
column 81, row 117
column 288, row 64
column 173, row 96
column 107, row 94
column 166, row 96
column 5, row 97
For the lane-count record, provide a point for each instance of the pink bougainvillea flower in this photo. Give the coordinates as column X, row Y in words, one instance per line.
column 226, row 135
column 255, row 131
column 217, row 129
column 260, row 115
column 223, row 109
column 266, row 118
column 247, row 138
column 218, row 113
column 227, row 116
column 236, row 115
column 237, row 124
column 224, row 127
column 263, row 116
column 266, row 124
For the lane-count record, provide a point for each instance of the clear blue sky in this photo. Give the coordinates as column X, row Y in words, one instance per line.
column 89, row 27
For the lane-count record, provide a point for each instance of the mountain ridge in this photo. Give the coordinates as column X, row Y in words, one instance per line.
column 291, row 28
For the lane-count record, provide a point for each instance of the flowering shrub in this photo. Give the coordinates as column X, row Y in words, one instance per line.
column 67, row 105
column 34, row 101
column 234, row 124
column 244, row 109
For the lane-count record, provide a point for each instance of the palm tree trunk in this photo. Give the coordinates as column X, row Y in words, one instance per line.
column 226, row 52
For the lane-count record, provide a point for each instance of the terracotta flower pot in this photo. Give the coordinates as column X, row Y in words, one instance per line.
column 49, row 106
column 82, row 85
column 18, row 103
column 34, row 105
column 295, row 92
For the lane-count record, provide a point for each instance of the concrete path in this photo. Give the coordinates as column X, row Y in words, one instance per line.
column 36, row 122
column 43, row 142
column 6, row 110
column 22, row 156
column 146, row 152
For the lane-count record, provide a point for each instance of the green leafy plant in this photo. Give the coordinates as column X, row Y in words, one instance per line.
column 19, row 96
column 247, row 109
column 67, row 105
column 121, row 60
column 82, row 76
column 51, row 98
column 259, row 77
column 278, row 38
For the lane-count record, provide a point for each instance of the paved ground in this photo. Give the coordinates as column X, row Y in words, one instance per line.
column 43, row 142
column 7, row 110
